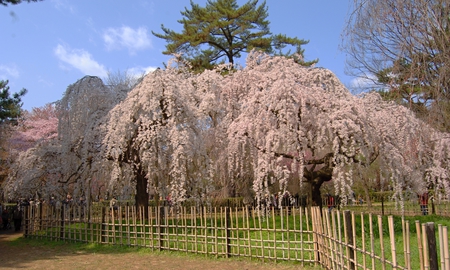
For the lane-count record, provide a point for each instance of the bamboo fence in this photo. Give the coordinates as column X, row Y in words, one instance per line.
column 332, row 239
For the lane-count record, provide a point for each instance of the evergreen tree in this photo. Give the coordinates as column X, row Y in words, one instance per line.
column 223, row 30
column 10, row 106
column 15, row 2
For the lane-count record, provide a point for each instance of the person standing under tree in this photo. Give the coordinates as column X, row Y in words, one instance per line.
column 423, row 201
column 330, row 202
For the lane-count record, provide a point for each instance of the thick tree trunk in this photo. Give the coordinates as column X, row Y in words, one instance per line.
column 316, row 196
column 316, row 179
column 142, row 196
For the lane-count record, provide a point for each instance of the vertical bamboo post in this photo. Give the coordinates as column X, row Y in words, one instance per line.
column 405, row 254
column 186, row 227
column 119, row 216
column 194, row 218
column 289, row 212
column 363, row 241
column 166, row 227
column 419, row 245
column 113, row 221
column 341, row 251
column 354, row 239
column 61, row 229
column 227, row 231
column 349, row 238
column 274, row 234
column 426, row 261
column 40, row 216
column 445, row 247
column 380, row 231
column 261, row 235
column 282, row 230
column 441, row 249
column 143, row 217
column 236, row 227
column 407, row 244
column 134, row 213
column 248, row 231
column 160, row 226
column 334, row 236
column 372, row 242
column 103, row 226
column 127, row 220
column 392, row 239
column 216, row 239
column 315, row 216
column 294, row 228
column 26, row 221
column 300, row 223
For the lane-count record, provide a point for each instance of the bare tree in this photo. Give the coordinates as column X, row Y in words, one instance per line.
column 403, row 46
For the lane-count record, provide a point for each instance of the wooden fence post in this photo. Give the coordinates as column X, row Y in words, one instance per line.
column 227, row 231
column 161, row 227
column 431, row 237
column 40, row 216
column 61, row 228
column 26, row 221
column 103, row 226
column 350, row 240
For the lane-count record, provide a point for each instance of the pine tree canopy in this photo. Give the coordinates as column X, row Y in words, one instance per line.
column 15, row 2
column 222, row 30
column 10, row 106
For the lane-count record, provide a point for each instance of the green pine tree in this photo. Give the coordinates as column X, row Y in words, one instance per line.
column 222, row 30
column 10, row 106
column 15, row 2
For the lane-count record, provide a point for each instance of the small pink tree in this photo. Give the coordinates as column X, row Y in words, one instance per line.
column 35, row 131
column 40, row 124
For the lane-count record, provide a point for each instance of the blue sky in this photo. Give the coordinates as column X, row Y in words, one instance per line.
column 47, row 46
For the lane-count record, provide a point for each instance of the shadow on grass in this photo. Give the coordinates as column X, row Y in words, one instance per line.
column 17, row 251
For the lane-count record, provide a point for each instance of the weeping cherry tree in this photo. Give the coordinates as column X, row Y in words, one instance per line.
column 177, row 132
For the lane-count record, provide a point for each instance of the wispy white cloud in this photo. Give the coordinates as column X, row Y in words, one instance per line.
column 63, row 5
column 139, row 71
column 9, row 71
column 363, row 82
column 81, row 60
column 127, row 37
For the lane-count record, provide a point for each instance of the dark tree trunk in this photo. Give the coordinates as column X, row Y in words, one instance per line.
column 142, row 195
column 316, row 178
column 316, row 196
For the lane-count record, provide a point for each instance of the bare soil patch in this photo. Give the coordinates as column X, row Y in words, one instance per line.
column 17, row 252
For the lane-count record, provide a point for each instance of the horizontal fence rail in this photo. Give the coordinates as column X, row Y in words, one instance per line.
column 333, row 239
column 408, row 208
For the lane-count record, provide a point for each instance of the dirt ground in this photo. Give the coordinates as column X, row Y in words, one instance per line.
column 17, row 252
